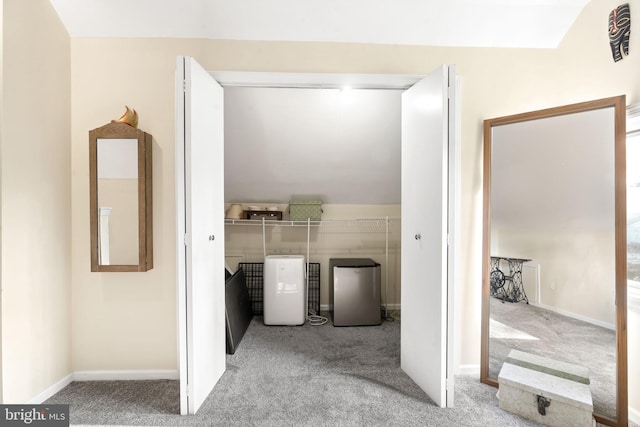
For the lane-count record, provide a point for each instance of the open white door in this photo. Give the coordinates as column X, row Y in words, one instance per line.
column 429, row 170
column 200, row 232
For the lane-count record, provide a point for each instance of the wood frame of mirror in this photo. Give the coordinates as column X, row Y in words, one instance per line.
column 117, row 130
column 618, row 103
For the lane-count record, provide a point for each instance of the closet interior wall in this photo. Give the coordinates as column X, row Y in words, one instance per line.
column 375, row 234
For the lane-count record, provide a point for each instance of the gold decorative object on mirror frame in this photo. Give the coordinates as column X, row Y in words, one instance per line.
column 121, row 131
column 129, row 117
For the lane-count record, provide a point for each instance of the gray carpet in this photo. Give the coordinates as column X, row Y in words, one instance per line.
column 302, row 376
column 558, row 337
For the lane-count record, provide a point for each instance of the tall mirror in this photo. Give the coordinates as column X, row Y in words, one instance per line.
column 554, row 245
column 121, row 201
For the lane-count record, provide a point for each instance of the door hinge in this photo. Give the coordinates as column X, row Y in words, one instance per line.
column 185, row 239
column 449, row 92
column 184, row 86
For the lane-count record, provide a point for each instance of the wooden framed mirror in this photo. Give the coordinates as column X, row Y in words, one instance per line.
column 554, row 256
column 120, row 198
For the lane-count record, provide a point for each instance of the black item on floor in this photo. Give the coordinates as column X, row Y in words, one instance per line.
column 253, row 273
column 255, row 284
column 238, row 312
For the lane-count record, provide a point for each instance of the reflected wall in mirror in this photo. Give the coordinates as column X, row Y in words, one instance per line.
column 554, row 244
column 121, row 198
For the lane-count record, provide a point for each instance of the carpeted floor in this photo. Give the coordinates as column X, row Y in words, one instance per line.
column 302, row 376
column 524, row 327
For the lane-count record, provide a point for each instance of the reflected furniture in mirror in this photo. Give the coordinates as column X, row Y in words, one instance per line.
column 555, row 201
column 120, row 198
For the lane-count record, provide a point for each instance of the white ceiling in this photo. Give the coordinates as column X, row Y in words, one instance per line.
column 342, row 147
column 497, row 23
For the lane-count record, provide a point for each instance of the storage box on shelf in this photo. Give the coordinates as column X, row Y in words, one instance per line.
column 259, row 215
column 303, row 210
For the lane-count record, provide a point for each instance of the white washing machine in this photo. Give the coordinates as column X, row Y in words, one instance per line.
column 285, row 296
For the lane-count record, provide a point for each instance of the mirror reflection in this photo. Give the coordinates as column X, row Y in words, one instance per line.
column 552, row 246
column 118, row 201
column 121, row 202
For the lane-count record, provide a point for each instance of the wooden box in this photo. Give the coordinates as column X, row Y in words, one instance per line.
column 547, row 391
column 259, row 215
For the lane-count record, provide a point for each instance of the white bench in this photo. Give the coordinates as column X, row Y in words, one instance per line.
column 547, row 391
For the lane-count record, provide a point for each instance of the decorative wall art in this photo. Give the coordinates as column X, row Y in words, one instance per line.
column 619, row 31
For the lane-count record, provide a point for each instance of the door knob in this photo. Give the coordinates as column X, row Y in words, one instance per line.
column 212, row 237
column 418, row 236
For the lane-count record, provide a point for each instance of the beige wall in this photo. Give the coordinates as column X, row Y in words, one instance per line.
column 143, row 305
column 127, row 321
column 124, row 321
column 36, row 178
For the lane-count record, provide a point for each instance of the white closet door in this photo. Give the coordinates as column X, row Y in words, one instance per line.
column 427, row 326
column 200, row 232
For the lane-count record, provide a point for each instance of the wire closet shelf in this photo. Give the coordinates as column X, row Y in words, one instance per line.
column 363, row 225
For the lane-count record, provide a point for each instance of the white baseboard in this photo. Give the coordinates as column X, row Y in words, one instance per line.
column 41, row 397
column 634, row 415
column 168, row 374
column 576, row 316
column 469, row 370
column 128, row 375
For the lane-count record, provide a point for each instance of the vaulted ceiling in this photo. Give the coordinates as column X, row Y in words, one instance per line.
column 495, row 23
column 335, row 178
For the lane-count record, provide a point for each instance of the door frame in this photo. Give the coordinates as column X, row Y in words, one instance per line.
column 259, row 79
column 354, row 81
